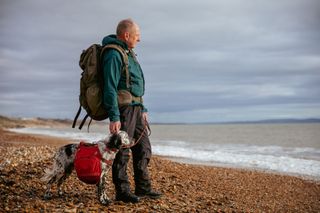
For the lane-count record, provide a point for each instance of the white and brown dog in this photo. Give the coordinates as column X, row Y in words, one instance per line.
column 63, row 164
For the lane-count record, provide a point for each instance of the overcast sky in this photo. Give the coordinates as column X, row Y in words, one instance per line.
column 204, row 61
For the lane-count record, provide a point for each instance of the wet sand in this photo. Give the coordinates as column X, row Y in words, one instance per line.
column 185, row 188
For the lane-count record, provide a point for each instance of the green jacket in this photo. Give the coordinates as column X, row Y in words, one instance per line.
column 114, row 80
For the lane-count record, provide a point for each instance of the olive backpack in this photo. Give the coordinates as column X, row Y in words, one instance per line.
column 91, row 82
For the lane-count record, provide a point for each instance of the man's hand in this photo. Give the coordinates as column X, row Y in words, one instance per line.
column 114, row 127
column 145, row 116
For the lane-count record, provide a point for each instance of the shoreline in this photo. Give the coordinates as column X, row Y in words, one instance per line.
column 186, row 188
column 307, row 174
column 62, row 141
column 236, row 167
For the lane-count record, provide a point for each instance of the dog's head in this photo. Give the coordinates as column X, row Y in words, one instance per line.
column 118, row 140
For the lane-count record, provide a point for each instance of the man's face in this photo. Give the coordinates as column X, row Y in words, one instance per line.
column 133, row 37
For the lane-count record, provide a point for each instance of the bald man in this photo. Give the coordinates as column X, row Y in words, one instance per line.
column 129, row 116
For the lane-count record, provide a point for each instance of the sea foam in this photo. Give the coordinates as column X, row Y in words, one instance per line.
column 303, row 161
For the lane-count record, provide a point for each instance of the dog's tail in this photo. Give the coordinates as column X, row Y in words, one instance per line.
column 48, row 175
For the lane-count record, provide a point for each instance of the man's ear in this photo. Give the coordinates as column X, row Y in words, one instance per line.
column 126, row 36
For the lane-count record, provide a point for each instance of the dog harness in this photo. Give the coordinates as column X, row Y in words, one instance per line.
column 88, row 160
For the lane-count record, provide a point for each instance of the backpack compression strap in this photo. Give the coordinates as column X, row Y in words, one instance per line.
column 125, row 69
column 124, row 59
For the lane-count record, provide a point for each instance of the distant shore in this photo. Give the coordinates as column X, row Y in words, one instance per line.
column 186, row 188
column 68, row 121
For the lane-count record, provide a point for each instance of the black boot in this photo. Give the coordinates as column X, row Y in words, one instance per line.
column 127, row 197
column 150, row 193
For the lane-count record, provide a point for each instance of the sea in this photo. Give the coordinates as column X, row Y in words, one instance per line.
column 287, row 148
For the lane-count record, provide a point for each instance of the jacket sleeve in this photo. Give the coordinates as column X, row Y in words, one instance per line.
column 144, row 109
column 111, row 76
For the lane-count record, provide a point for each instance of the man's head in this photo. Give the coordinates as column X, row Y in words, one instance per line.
column 128, row 31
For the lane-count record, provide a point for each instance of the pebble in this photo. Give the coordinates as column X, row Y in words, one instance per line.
column 186, row 188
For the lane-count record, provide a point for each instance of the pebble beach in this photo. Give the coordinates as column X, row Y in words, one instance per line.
column 185, row 187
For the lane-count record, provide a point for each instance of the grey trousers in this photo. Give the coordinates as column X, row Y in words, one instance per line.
column 133, row 123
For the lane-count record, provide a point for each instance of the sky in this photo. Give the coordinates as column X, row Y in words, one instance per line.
column 203, row 61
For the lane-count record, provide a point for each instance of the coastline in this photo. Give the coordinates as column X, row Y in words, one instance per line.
column 237, row 167
column 186, row 188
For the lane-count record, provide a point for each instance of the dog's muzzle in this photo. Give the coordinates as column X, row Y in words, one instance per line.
column 125, row 140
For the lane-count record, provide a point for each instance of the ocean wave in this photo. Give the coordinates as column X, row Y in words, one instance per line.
column 293, row 160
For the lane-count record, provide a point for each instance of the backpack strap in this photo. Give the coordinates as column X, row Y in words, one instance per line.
column 76, row 117
column 125, row 60
column 83, row 121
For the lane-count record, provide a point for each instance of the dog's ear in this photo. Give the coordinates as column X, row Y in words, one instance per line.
column 115, row 141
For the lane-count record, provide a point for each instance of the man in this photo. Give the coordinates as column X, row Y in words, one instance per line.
column 130, row 117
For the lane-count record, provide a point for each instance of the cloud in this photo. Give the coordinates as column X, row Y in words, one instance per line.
column 232, row 60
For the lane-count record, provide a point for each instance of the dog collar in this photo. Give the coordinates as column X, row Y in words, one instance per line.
column 108, row 162
column 111, row 150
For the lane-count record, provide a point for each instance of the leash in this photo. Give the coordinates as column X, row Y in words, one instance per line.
column 145, row 128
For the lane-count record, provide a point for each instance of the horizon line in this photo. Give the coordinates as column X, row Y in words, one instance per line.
column 260, row 121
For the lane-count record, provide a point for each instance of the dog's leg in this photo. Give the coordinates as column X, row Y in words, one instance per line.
column 102, row 185
column 54, row 173
column 67, row 172
column 55, row 176
column 61, row 169
column 60, row 176
column 47, row 194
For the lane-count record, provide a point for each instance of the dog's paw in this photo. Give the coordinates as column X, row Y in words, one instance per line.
column 47, row 196
column 105, row 202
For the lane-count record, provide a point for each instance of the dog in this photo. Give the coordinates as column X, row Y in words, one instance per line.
column 64, row 158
